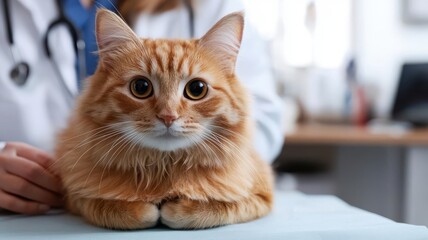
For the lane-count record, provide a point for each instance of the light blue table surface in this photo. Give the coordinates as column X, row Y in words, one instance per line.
column 296, row 216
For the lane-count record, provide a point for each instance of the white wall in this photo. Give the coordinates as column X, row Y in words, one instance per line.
column 382, row 43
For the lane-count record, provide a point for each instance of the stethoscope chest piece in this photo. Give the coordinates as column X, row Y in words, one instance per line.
column 19, row 73
column 20, row 70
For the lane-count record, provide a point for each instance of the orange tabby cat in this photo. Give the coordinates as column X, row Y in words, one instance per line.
column 162, row 132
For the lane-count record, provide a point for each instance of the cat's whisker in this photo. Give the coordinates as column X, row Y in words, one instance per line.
column 91, row 139
column 206, row 135
column 231, row 144
column 216, row 158
column 104, row 137
column 139, row 168
column 135, row 140
column 103, row 128
column 101, row 158
column 217, row 135
column 216, row 138
column 95, row 145
column 113, row 157
column 243, row 155
column 126, row 136
column 85, row 142
column 198, row 142
column 233, row 133
column 236, row 148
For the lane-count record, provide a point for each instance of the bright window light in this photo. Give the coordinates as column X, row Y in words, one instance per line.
column 311, row 32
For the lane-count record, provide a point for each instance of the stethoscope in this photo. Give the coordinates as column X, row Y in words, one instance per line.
column 191, row 14
column 21, row 69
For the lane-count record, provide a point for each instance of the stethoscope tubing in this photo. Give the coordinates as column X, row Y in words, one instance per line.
column 8, row 20
column 190, row 12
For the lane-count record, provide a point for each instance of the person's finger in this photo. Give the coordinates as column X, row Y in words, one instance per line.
column 32, row 153
column 18, row 205
column 34, row 173
column 18, row 186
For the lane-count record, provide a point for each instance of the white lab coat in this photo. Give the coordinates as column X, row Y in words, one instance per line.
column 35, row 112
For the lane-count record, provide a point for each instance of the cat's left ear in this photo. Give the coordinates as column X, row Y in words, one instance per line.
column 111, row 33
column 223, row 40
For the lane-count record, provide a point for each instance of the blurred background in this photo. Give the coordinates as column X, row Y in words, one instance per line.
column 353, row 75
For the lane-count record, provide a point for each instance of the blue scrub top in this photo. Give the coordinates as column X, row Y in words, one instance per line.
column 84, row 21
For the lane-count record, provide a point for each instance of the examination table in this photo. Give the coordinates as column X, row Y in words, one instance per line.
column 295, row 216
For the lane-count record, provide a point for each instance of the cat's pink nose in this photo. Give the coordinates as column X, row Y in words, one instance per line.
column 167, row 119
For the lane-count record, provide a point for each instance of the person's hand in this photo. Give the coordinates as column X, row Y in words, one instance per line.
column 26, row 186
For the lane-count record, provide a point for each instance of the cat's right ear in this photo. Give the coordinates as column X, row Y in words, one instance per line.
column 111, row 33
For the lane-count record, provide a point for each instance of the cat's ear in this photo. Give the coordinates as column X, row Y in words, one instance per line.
column 112, row 32
column 223, row 40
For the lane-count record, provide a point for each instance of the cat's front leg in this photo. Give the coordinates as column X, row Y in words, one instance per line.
column 116, row 214
column 191, row 214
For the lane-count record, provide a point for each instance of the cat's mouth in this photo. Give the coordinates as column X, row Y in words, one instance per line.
column 168, row 133
column 169, row 140
column 166, row 139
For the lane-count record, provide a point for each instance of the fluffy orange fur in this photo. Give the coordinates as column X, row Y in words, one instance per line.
column 212, row 177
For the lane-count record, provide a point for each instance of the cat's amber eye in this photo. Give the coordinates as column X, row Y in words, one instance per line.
column 196, row 89
column 141, row 87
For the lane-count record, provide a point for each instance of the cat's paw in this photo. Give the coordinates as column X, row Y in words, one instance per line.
column 178, row 214
column 123, row 215
column 187, row 214
column 148, row 215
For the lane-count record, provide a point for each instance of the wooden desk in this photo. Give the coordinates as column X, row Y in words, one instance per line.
column 351, row 135
column 379, row 172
